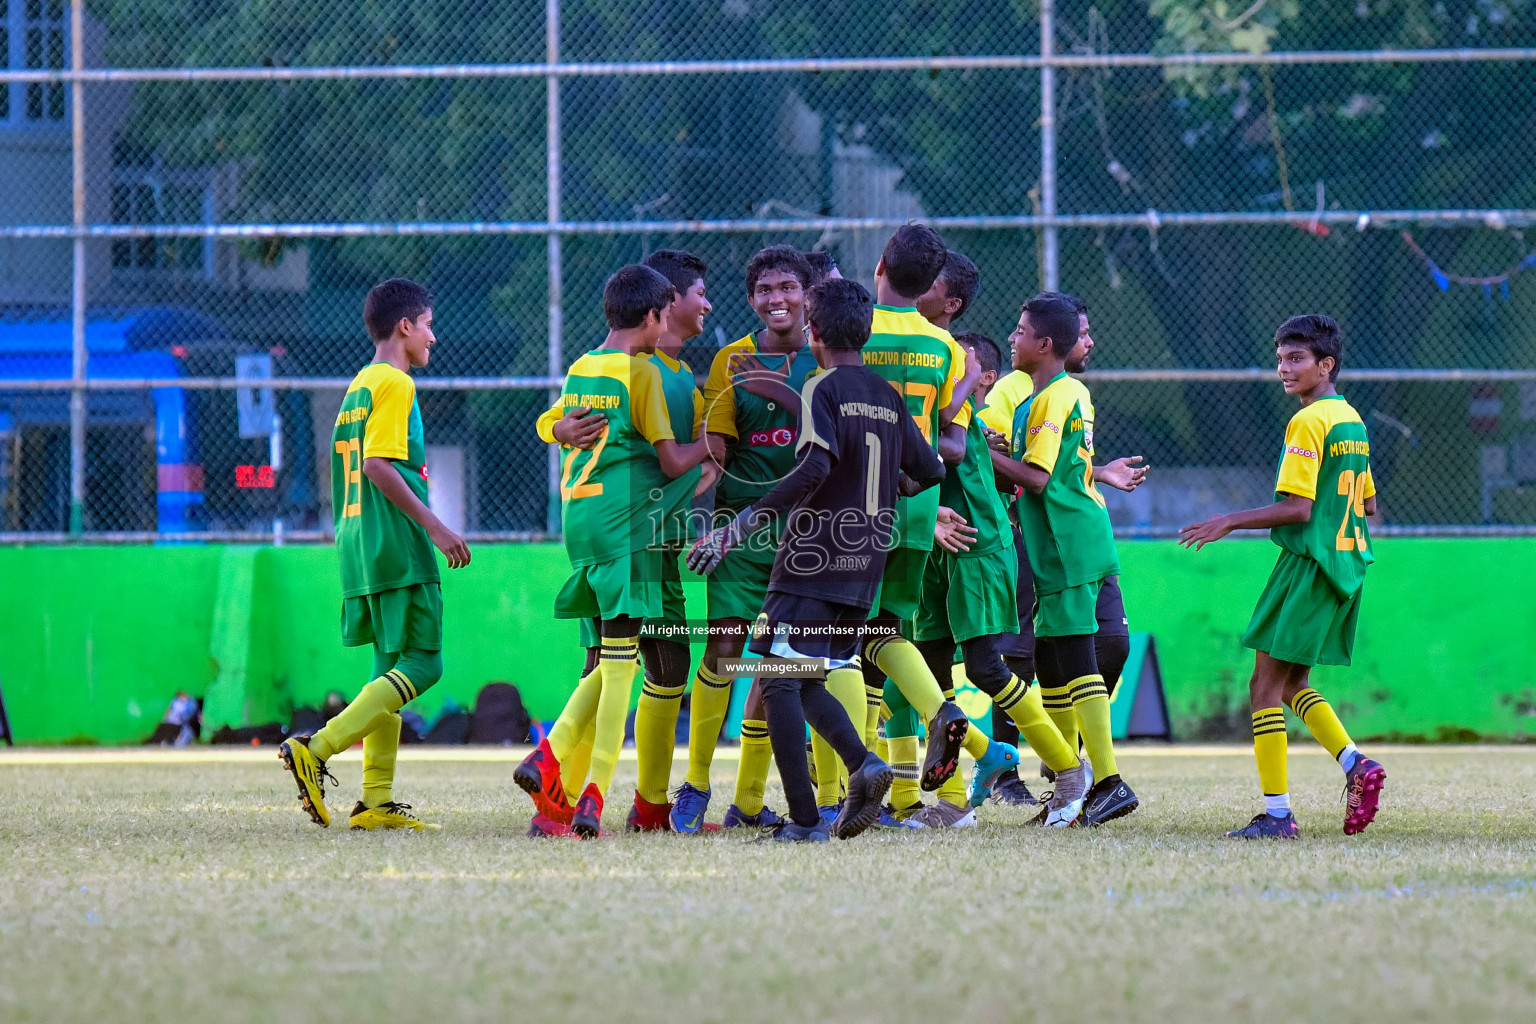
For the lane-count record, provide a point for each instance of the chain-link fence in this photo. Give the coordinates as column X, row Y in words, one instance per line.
column 197, row 196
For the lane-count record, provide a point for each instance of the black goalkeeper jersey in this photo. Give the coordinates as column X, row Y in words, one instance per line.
column 837, row 538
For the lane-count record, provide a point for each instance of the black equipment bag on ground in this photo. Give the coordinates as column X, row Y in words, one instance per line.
column 499, row 715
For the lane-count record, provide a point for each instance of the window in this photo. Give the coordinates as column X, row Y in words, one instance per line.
column 34, row 34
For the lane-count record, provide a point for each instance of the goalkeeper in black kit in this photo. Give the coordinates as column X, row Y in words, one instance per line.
column 858, row 450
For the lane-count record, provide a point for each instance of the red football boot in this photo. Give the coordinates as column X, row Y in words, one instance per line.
column 547, row 828
column 645, row 816
column 587, row 821
column 539, row 777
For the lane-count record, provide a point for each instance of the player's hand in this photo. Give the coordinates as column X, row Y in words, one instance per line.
column 717, row 449
column 755, row 377
column 709, row 477
column 997, row 442
column 710, row 550
column 1198, row 535
column 580, row 427
column 1125, row 474
column 451, row 545
column 952, row 532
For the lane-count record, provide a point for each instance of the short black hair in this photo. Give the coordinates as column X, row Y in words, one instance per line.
column 841, row 312
column 1053, row 315
column 779, row 257
column 678, row 266
column 1077, row 303
column 631, row 293
column 391, row 301
column 1317, row 332
column 914, row 258
column 987, row 353
column 960, row 280
column 822, row 264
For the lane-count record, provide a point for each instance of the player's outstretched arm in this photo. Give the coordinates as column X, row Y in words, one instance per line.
column 963, row 388
column 1019, row 474
column 1293, row 509
column 952, row 444
column 810, row 472
column 755, row 378
column 1125, row 474
column 580, row 427
column 387, row 479
column 677, row 459
column 919, row 462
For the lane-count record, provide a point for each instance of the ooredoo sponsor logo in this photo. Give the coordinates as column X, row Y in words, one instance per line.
column 775, row 438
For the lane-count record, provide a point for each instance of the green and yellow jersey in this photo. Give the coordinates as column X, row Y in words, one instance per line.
column 1011, row 391
column 922, row 362
column 971, row 489
column 379, row 546
column 610, row 493
column 1327, row 458
column 764, row 432
column 1066, row 527
column 685, row 412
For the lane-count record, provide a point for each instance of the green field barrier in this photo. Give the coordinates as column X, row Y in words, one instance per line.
column 97, row 640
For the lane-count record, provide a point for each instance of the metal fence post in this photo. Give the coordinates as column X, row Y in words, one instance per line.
column 77, row 285
column 1048, row 262
column 556, row 286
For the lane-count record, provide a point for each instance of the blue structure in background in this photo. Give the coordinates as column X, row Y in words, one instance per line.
column 127, row 344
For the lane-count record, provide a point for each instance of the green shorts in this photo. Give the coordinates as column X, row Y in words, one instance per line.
column 739, row 585
column 901, row 586
column 629, row 586
column 1300, row 618
column 1069, row 612
column 673, row 613
column 966, row 597
column 406, row 618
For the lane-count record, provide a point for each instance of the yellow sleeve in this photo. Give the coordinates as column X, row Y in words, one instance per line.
column 1303, row 456
column 1002, row 401
column 386, row 434
column 719, row 395
column 963, row 417
column 1369, row 491
column 698, row 413
column 546, row 424
column 1047, row 418
column 648, row 404
column 956, row 371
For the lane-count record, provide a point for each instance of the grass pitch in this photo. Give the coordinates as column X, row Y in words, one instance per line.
column 180, row 889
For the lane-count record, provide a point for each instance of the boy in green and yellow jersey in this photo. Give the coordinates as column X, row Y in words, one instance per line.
column 969, row 598
column 1306, row 615
column 1067, row 532
column 754, row 439
column 665, row 650
column 611, row 495
column 924, row 365
column 391, row 595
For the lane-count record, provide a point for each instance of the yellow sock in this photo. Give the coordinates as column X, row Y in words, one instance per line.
column 378, row 700
column 1269, row 745
column 379, row 750
column 620, row 658
column 904, row 665
column 655, row 736
column 1021, row 702
column 577, row 714
column 1090, row 701
column 882, row 747
column 576, row 764
column 711, row 701
column 1057, row 701
column 826, row 761
column 1319, row 718
column 873, row 708
column 903, row 761
column 752, row 770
